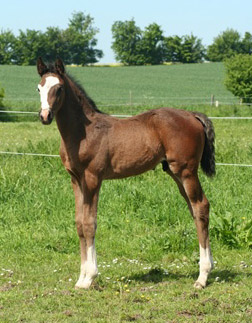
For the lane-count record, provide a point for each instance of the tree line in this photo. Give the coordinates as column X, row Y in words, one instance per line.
column 75, row 45
column 132, row 46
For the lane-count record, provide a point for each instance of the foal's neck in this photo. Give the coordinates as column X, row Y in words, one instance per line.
column 74, row 115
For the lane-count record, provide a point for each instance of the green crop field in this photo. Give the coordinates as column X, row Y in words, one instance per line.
column 131, row 89
column 128, row 89
column 146, row 241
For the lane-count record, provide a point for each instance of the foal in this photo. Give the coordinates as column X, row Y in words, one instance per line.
column 96, row 146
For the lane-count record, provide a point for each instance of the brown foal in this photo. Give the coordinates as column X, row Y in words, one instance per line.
column 96, row 146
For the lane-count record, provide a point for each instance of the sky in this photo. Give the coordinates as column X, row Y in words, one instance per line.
column 205, row 19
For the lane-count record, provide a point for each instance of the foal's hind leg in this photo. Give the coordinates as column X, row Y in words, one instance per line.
column 200, row 209
column 190, row 188
column 181, row 189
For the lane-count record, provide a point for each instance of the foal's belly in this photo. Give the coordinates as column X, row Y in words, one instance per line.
column 134, row 159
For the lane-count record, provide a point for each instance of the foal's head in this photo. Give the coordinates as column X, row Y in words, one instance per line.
column 51, row 89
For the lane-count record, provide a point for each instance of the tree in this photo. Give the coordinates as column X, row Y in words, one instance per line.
column 185, row 49
column 7, row 47
column 239, row 76
column 55, row 44
column 173, row 49
column 80, row 41
column 126, row 45
column 133, row 46
column 151, row 44
column 226, row 45
column 29, row 45
column 192, row 50
column 247, row 43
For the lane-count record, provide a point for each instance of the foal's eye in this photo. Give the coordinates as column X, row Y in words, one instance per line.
column 38, row 89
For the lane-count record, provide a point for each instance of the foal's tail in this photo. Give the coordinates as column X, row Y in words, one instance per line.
column 208, row 157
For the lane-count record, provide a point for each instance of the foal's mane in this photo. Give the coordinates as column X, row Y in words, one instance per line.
column 79, row 91
column 82, row 94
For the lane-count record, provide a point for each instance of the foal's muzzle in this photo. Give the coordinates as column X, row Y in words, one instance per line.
column 46, row 116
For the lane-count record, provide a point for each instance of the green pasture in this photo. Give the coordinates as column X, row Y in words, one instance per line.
column 146, row 241
column 127, row 90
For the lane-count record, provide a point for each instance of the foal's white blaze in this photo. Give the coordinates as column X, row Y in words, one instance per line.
column 206, row 264
column 88, row 269
column 44, row 90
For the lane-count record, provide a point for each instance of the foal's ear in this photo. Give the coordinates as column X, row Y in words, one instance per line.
column 59, row 66
column 41, row 67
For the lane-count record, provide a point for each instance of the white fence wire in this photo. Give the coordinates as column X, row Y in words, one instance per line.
column 57, row 156
column 118, row 115
column 115, row 115
column 131, row 99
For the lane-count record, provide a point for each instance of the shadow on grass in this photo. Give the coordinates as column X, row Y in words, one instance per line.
column 5, row 116
column 230, row 276
column 158, row 275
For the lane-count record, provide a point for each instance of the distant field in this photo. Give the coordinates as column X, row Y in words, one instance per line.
column 114, row 87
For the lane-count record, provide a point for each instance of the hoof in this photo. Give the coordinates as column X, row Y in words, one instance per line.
column 198, row 285
column 84, row 284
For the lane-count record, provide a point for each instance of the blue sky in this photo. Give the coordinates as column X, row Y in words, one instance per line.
column 204, row 18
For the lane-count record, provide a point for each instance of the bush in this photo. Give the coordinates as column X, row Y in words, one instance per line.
column 239, row 76
column 232, row 230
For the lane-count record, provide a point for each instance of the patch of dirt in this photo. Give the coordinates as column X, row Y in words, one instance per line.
column 194, row 295
column 68, row 313
column 97, row 287
column 188, row 314
column 66, row 293
column 249, row 311
column 132, row 318
column 139, row 300
column 7, row 287
column 212, row 300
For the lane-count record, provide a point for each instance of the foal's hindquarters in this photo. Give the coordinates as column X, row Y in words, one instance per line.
column 183, row 156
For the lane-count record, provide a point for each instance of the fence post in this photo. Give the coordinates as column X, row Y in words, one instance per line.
column 212, row 99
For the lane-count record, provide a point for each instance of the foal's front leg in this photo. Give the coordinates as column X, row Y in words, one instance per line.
column 79, row 203
column 86, row 214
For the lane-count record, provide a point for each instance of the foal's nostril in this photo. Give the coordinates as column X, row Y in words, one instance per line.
column 50, row 115
column 41, row 117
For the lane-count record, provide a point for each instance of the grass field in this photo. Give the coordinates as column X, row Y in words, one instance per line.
column 146, row 241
